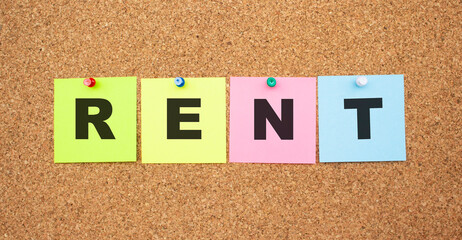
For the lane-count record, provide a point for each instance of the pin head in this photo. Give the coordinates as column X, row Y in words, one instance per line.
column 179, row 82
column 361, row 81
column 89, row 82
column 271, row 81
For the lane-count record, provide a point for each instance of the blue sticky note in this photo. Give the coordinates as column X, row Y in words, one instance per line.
column 361, row 124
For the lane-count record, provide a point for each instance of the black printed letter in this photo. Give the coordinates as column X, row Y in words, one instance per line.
column 362, row 106
column 174, row 117
column 284, row 127
column 82, row 118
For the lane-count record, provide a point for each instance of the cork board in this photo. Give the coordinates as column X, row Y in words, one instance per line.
column 416, row 199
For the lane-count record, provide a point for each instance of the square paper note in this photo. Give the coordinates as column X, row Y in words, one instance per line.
column 272, row 124
column 183, row 124
column 95, row 124
column 360, row 124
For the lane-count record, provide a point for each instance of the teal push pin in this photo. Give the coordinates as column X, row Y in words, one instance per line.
column 179, row 82
column 271, row 81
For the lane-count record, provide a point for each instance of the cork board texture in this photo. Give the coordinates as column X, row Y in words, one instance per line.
column 417, row 199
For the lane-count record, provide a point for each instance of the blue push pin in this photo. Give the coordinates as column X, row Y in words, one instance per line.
column 179, row 82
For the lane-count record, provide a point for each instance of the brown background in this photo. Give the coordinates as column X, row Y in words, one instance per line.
column 420, row 198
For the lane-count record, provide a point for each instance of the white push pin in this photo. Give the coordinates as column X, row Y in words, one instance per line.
column 361, row 81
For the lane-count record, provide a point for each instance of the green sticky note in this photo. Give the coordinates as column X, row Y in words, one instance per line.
column 183, row 124
column 95, row 124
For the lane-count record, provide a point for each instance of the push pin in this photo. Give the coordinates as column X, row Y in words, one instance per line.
column 271, row 81
column 179, row 82
column 89, row 82
column 361, row 81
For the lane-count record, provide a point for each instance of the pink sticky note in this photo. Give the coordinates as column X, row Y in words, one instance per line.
column 292, row 140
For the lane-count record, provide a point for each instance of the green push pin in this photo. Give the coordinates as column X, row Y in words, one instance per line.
column 271, row 81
